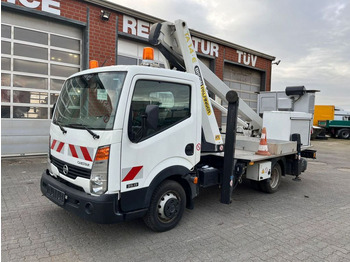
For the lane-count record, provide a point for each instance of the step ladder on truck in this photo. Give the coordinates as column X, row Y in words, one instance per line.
column 141, row 141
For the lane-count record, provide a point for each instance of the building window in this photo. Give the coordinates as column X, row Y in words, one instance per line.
column 34, row 66
column 65, row 42
column 30, row 51
column 30, row 82
column 125, row 60
column 5, row 47
column 5, row 31
column 30, row 67
column 30, row 112
column 5, row 112
column 30, row 36
column 65, row 57
column 5, row 80
column 6, row 63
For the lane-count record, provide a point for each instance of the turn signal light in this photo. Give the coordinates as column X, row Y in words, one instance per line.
column 195, row 180
column 148, row 53
column 93, row 64
column 102, row 154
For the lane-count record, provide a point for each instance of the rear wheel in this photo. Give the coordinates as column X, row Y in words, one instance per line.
column 271, row 185
column 167, row 206
column 344, row 133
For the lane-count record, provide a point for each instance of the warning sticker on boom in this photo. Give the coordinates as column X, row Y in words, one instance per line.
column 197, row 71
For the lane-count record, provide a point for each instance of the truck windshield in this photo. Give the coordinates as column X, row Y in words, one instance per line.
column 89, row 101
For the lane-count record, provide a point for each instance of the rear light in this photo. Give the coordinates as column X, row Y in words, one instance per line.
column 99, row 172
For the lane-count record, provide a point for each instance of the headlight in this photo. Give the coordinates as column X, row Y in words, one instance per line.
column 99, row 172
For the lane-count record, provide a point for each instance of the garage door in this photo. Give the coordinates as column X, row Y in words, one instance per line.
column 130, row 53
column 37, row 56
column 245, row 81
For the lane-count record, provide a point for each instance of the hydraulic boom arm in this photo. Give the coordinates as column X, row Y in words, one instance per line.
column 175, row 43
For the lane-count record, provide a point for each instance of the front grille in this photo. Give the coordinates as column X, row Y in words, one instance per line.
column 73, row 171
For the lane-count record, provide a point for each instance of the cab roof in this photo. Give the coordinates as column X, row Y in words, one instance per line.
column 136, row 69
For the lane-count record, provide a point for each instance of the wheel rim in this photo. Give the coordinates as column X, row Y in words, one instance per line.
column 274, row 177
column 345, row 134
column 168, row 207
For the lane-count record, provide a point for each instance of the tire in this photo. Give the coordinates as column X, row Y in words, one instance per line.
column 167, row 206
column 271, row 185
column 344, row 133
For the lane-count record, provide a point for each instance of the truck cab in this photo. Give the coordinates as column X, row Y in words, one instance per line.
column 118, row 132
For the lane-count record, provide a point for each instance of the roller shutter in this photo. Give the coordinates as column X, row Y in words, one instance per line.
column 37, row 56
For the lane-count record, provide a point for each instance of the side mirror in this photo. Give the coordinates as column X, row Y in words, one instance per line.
column 152, row 114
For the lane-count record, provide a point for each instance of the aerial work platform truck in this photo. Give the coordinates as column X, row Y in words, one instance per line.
column 141, row 141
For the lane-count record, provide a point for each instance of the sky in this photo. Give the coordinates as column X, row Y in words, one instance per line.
column 310, row 37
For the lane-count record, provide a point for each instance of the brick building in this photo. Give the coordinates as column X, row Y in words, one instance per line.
column 45, row 41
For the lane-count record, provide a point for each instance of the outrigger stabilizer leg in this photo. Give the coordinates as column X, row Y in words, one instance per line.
column 228, row 179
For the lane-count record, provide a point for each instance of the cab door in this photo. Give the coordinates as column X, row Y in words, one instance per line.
column 174, row 140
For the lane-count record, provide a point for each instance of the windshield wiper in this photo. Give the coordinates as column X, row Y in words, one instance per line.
column 64, row 131
column 94, row 135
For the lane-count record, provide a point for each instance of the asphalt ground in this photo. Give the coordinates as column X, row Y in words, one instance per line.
column 304, row 221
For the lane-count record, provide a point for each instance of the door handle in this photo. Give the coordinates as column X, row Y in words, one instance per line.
column 189, row 149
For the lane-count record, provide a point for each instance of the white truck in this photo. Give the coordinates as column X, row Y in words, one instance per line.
column 140, row 141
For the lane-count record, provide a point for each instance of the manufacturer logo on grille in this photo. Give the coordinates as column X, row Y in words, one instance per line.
column 65, row 169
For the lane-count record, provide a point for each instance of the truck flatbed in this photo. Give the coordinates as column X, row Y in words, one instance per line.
column 247, row 146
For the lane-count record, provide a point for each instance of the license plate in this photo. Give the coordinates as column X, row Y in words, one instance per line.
column 55, row 195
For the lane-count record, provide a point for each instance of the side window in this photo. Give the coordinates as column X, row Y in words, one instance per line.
column 172, row 102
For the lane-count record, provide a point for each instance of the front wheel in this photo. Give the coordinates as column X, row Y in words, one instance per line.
column 271, row 185
column 167, row 206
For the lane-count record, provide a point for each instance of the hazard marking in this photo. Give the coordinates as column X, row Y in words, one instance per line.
column 57, row 146
column 53, row 144
column 60, row 146
column 132, row 173
column 74, row 152
column 197, row 71
column 217, row 137
column 205, row 100
column 198, row 147
column 81, row 152
column 85, row 153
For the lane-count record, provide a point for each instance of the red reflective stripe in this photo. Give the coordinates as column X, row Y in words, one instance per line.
column 85, row 153
column 74, row 152
column 60, row 146
column 132, row 173
column 53, row 144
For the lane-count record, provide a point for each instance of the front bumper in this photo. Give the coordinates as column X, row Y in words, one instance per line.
column 102, row 209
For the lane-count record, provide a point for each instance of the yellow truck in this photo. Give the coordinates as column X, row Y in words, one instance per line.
column 323, row 112
column 331, row 120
